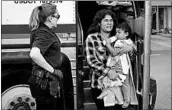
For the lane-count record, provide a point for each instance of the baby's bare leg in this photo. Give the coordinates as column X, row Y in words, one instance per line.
column 126, row 92
column 103, row 94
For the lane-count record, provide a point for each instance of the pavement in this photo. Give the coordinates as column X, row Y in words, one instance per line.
column 160, row 69
column 160, row 42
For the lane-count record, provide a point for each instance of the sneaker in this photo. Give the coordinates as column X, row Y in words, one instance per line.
column 125, row 104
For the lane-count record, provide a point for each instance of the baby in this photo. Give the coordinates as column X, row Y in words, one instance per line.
column 120, row 65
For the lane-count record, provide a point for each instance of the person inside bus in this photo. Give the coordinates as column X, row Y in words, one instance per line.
column 45, row 53
column 121, row 66
column 102, row 27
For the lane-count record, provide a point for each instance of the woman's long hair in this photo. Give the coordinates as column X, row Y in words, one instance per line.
column 40, row 14
column 94, row 27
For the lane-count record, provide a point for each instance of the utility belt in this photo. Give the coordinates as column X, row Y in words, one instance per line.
column 46, row 81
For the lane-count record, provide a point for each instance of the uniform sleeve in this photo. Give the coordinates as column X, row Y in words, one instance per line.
column 43, row 41
column 92, row 59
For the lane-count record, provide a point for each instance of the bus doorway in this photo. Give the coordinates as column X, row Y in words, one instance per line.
column 130, row 12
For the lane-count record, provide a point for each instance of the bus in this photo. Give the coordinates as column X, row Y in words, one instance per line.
column 15, row 47
column 76, row 16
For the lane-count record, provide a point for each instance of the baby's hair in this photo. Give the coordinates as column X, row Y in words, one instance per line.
column 124, row 26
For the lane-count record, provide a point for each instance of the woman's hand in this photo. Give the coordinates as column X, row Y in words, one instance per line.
column 58, row 73
column 126, row 48
column 112, row 50
column 112, row 74
column 108, row 41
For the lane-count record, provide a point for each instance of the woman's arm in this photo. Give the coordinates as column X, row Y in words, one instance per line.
column 131, row 49
column 37, row 57
column 128, row 48
column 114, row 51
column 111, row 50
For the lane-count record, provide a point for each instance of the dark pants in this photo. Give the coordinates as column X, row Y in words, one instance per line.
column 100, row 104
column 44, row 100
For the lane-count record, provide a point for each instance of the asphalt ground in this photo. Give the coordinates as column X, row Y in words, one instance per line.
column 160, row 69
column 160, row 42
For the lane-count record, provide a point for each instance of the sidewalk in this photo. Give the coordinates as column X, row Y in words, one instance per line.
column 160, row 42
column 164, row 35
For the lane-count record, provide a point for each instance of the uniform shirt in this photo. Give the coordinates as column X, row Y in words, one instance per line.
column 48, row 43
column 96, row 55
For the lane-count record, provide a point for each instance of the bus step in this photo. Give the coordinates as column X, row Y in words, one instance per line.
column 88, row 100
column 88, row 96
column 86, row 84
column 90, row 106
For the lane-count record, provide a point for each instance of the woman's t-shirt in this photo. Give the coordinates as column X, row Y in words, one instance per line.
column 48, row 43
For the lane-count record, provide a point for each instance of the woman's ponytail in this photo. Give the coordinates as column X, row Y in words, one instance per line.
column 40, row 14
column 34, row 19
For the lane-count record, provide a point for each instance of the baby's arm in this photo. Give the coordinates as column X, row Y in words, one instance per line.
column 128, row 46
column 112, row 50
